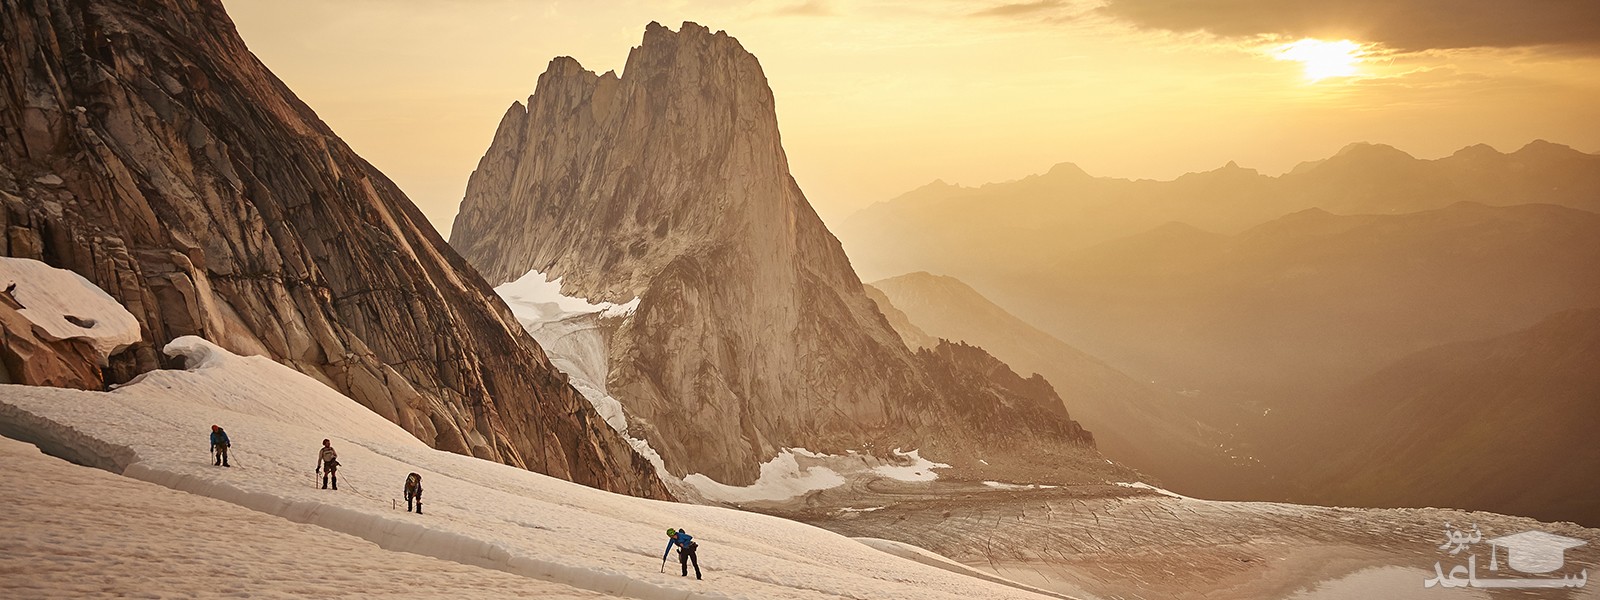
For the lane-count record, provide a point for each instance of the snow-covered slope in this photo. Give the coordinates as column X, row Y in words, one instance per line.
column 78, row 532
column 479, row 513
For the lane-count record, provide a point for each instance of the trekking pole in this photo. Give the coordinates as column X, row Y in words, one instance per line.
column 663, row 564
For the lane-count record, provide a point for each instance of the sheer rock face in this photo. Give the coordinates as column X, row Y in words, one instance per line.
column 160, row 160
column 753, row 333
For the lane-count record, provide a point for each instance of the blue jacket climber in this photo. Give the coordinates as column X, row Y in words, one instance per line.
column 686, row 550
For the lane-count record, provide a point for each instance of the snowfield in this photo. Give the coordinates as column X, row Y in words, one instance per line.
column 479, row 513
column 74, row 532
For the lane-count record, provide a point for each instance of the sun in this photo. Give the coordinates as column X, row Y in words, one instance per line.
column 1322, row 59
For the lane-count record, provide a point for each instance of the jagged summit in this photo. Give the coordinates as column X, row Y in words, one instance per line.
column 669, row 184
column 699, row 98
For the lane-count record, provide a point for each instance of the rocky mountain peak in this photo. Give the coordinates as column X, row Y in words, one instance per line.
column 752, row 332
column 688, row 104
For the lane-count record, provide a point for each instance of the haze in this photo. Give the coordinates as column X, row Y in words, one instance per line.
column 876, row 98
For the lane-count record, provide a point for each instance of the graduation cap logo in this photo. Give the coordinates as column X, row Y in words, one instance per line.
column 1532, row 551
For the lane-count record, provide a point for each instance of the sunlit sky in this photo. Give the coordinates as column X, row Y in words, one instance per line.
column 878, row 97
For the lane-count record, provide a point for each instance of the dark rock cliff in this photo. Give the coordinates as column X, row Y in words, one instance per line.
column 147, row 149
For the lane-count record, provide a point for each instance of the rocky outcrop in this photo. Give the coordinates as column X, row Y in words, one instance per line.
column 163, row 162
column 30, row 358
column 910, row 333
column 752, row 334
column 56, row 328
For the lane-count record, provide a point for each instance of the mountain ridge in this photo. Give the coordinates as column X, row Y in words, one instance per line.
column 1026, row 223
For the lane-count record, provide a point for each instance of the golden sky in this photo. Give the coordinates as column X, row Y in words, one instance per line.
column 876, row 97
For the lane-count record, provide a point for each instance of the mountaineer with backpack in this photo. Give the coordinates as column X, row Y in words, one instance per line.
column 328, row 464
column 414, row 490
column 219, row 447
column 686, row 548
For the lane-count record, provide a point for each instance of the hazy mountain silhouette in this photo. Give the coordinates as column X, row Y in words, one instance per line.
column 1313, row 301
column 1133, row 422
column 1263, row 300
column 1503, row 424
column 1028, row 224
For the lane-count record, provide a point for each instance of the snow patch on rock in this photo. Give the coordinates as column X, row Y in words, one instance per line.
column 781, row 478
column 1140, row 485
column 64, row 305
column 536, row 297
column 795, row 472
column 919, row 469
column 569, row 330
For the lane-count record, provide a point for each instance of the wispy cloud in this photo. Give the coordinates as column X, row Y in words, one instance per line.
column 809, row 8
column 1406, row 25
column 1021, row 9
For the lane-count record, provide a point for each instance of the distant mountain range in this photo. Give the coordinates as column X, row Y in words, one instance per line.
column 1312, row 300
column 1029, row 224
column 1153, row 430
column 1273, row 304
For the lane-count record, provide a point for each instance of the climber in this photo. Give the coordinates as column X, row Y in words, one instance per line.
column 219, row 447
column 414, row 490
column 328, row 464
column 686, row 547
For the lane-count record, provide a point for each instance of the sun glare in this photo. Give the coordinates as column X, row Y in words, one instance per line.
column 1322, row 59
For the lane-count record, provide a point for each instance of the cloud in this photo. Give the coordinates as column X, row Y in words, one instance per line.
column 1020, row 9
column 1405, row 25
column 810, row 8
